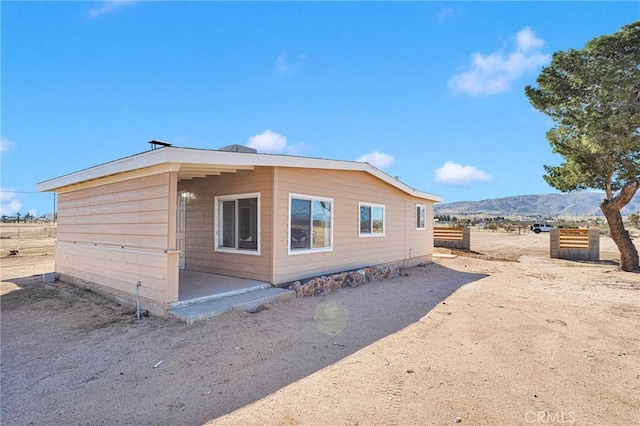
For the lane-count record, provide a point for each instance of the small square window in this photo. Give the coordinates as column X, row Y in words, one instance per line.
column 372, row 220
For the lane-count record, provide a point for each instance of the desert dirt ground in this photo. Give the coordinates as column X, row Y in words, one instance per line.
column 502, row 335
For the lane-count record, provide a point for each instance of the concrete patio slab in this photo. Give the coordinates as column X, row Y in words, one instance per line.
column 196, row 284
column 250, row 301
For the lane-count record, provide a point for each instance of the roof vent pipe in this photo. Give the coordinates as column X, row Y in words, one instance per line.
column 158, row 144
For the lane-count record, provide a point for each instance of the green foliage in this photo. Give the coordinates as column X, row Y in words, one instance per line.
column 593, row 96
column 507, row 226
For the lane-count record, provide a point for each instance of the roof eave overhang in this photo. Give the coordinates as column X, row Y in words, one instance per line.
column 190, row 163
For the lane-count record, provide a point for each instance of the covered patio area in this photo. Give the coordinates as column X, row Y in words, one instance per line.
column 203, row 295
column 200, row 286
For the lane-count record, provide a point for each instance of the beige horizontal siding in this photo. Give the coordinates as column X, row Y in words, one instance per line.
column 118, row 269
column 133, row 194
column 419, row 242
column 130, row 213
column 118, row 233
column 119, row 187
column 200, row 227
column 141, row 206
column 231, row 264
column 347, row 188
column 127, row 241
column 147, row 217
column 144, row 229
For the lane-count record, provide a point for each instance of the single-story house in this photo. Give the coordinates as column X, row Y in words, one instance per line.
column 153, row 216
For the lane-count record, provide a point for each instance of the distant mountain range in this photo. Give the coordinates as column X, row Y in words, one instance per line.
column 583, row 203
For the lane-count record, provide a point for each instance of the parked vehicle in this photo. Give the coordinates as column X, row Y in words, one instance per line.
column 541, row 227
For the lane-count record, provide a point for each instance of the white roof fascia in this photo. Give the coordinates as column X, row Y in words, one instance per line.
column 137, row 161
column 214, row 157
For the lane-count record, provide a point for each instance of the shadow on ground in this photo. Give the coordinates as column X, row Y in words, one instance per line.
column 70, row 357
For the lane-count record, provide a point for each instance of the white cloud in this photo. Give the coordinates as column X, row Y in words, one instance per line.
column 109, row 6
column 377, row 159
column 5, row 144
column 444, row 15
column 494, row 73
column 9, row 203
column 527, row 40
column 283, row 66
column 459, row 175
column 268, row 141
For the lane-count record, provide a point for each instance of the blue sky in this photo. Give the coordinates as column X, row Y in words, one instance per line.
column 431, row 92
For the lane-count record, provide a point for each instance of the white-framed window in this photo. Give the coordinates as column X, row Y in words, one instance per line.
column 310, row 224
column 372, row 220
column 237, row 219
column 421, row 216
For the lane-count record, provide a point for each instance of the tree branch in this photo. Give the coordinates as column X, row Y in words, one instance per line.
column 624, row 196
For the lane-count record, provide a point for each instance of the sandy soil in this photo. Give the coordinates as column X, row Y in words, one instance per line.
column 35, row 244
column 466, row 339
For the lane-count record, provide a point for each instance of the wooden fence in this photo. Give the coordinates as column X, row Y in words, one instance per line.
column 574, row 239
column 575, row 244
column 451, row 237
